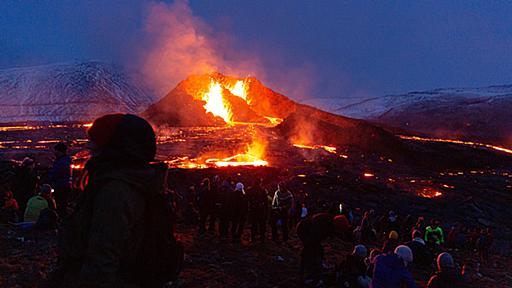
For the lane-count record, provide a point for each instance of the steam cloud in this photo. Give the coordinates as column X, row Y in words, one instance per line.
column 181, row 44
column 178, row 43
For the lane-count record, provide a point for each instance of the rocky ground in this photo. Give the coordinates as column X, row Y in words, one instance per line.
column 26, row 259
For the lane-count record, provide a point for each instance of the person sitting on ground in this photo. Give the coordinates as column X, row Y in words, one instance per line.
column 420, row 252
column 391, row 269
column 9, row 209
column 434, row 233
column 446, row 275
column 311, row 232
column 38, row 203
column 352, row 271
column 391, row 243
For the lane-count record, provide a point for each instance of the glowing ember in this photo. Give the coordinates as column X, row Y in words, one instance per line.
column 274, row 121
column 429, row 192
column 368, row 175
column 468, row 143
column 87, row 125
column 238, row 160
column 78, row 166
column 329, row 149
column 215, row 103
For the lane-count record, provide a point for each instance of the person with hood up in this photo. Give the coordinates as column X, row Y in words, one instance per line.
column 99, row 242
column 281, row 205
column 420, row 252
column 352, row 271
column 311, row 232
column 446, row 275
column 59, row 177
column 238, row 207
column 391, row 269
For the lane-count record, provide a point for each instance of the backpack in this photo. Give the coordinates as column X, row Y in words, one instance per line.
column 160, row 258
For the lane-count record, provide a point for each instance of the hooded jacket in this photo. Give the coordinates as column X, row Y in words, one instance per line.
column 100, row 241
column 390, row 272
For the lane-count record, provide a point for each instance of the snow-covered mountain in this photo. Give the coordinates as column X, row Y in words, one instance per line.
column 68, row 92
column 479, row 114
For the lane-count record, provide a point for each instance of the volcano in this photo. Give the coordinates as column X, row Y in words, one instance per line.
column 248, row 101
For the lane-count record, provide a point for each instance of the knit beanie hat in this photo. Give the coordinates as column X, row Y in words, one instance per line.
column 445, row 260
column 360, row 251
column 404, row 253
column 393, row 235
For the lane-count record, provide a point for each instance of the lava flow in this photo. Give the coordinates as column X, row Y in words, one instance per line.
column 468, row 143
column 329, row 149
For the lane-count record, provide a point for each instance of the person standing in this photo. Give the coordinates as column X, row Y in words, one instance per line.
column 25, row 183
column 257, row 198
column 238, row 207
column 121, row 233
column 59, row 177
column 281, row 205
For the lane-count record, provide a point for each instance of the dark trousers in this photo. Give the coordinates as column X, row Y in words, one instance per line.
column 311, row 260
column 258, row 225
column 281, row 216
column 237, row 226
column 62, row 196
column 204, row 215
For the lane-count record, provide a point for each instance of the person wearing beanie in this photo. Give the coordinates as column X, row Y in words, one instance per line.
column 352, row 270
column 59, row 177
column 421, row 254
column 391, row 269
column 391, row 243
column 446, row 274
column 100, row 240
column 238, row 206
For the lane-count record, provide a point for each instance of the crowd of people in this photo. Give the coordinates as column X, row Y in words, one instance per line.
column 121, row 228
column 32, row 199
column 408, row 244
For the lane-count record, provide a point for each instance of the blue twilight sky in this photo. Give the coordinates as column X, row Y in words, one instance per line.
column 341, row 48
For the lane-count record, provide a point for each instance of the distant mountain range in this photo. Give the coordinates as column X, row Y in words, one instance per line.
column 476, row 114
column 68, row 92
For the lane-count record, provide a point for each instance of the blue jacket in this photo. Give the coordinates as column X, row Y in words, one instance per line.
column 60, row 174
column 390, row 272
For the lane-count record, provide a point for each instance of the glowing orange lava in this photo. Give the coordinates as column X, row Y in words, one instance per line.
column 329, row 149
column 468, row 143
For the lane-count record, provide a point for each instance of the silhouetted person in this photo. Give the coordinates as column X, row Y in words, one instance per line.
column 9, row 209
column 206, row 206
column 257, row 198
column 446, row 275
column 25, row 182
column 225, row 191
column 390, row 269
column 59, row 177
column 238, row 209
column 352, row 271
column 281, row 205
column 36, row 204
column 311, row 232
column 115, row 220
column 420, row 251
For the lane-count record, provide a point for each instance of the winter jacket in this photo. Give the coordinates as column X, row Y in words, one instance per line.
column 59, row 175
column 316, row 228
column 100, row 241
column 435, row 235
column 420, row 252
column 257, row 198
column 446, row 279
column 282, row 200
column 350, row 270
column 390, row 272
column 35, row 205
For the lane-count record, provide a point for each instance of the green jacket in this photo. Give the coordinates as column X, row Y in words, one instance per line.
column 434, row 235
column 35, row 205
